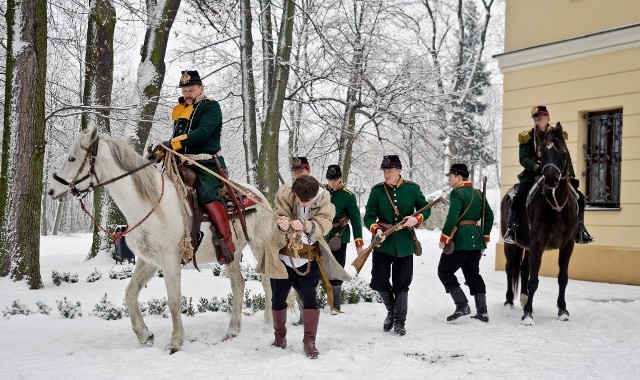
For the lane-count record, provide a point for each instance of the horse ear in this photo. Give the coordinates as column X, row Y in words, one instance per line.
column 559, row 132
column 91, row 133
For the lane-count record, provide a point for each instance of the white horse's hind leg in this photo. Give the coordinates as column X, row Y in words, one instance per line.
column 172, row 278
column 237, row 289
column 141, row 275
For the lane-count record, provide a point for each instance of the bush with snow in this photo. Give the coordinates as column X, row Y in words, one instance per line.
column 94, row 276
column 158, row 306
column 187, row 307
column 106, row 310
column 16, row 308
column 358, row 290
column 69, row 310
column 43, row 308
column 121, row 274
column 58, row 278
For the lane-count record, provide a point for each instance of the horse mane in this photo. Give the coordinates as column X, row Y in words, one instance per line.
column 127, row 159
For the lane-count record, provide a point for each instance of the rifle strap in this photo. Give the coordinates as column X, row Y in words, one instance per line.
column 455, row 229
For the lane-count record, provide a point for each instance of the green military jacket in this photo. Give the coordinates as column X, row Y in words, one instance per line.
column 196, row 130
column 529, row 141
column 408, row 198
column 467, row 237
column 346, row 205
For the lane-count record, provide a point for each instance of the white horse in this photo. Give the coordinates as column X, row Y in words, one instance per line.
column 96, row 159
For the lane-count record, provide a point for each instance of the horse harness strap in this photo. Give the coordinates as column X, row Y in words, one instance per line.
column 233, row 196
column 92, row 152
column 118, row 235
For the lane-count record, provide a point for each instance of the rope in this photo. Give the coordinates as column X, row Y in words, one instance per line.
column 171, row 168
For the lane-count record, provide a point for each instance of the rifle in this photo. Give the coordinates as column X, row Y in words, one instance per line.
column 484, row 200
column 358, row 263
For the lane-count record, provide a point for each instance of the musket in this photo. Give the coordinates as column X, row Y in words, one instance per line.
column 484, row 200
column 358, row 263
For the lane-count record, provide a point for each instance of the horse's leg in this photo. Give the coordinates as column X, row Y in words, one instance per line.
column 509, row 268
column 237, row 289
column 172, row 281
column 535, row 259
column 563, row 278
column 524, row 277
column 142, row 273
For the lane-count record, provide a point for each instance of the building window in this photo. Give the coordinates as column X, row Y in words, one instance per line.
column 603, row 155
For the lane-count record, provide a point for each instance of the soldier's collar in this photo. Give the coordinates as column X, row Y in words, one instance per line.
column 338, row 187
column 464, row 184
column 400, row 182
column 199, row 98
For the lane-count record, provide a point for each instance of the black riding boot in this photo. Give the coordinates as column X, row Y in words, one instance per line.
column 481, row 307
column 583, row 237
column 462, row 305
column 400, row 313
column 389, row 302
column 512, row 225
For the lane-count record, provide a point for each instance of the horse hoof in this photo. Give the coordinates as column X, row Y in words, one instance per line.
column 228, row 336
column 527, row 320
column 563, row 316
column 147, row 342
column 172, row 350
column 508, row 303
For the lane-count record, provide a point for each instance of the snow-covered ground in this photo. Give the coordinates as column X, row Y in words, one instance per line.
column 600, row 341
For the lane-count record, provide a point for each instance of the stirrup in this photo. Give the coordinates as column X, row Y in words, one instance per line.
column 509, row 237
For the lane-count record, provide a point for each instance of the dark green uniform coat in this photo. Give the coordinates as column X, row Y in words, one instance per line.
column 346, row 205
column 197, row 130
column 468, row 237
column 529, row 141
column 408, row 199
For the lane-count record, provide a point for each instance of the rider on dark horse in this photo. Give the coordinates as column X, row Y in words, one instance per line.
column 529, row 141
column 197, row 125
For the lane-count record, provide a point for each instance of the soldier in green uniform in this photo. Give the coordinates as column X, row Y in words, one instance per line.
column 346, row 211
column 461, row 226
column 197, row 126
column 388, row 204
column 529, row 141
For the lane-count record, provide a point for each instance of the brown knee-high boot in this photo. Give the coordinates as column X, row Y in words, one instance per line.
column 311, row 318
column 280, row 328
column 219, row 219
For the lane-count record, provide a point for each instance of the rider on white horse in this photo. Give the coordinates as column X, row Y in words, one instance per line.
column 197, row 126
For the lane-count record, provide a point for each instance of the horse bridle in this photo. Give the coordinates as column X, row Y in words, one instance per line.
column 557, row 207
column 90, row 156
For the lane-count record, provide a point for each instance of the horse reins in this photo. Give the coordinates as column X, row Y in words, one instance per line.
column 92, row 152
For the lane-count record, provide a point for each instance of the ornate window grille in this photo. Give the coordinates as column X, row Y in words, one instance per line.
column 603, row 153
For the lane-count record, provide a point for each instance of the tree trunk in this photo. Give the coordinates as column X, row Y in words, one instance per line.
column 152, row 68
column 249, row 133
column 267, row 51
column 58, row 219
column 97, row 92
column 26, row 127
column 268, row 157
column 5, row 258
column 347, row 134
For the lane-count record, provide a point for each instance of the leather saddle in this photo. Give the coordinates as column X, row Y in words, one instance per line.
column 189, row 178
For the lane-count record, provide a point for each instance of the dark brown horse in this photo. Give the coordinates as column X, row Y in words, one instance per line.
column 550, row 221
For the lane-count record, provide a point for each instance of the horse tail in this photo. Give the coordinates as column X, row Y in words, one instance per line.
column 515, row 281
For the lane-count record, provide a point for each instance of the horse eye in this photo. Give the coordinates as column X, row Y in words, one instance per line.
column 72, row 159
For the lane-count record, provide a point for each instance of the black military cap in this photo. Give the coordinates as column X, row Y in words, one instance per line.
column 189, row 78
column 334, row 172
column 391, row 161
column 459, row 169
column 539, row 111
column 299, row 163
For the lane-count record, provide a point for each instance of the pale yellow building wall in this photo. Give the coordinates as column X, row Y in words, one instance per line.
column 570, row 89
column 537, row 22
